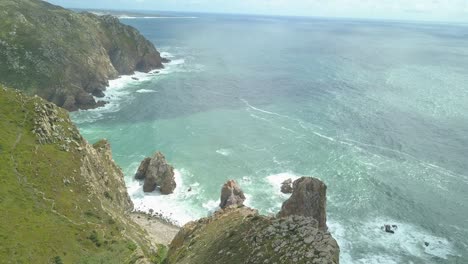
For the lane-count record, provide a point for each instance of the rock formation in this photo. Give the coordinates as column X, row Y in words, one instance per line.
column 55, row 183
column 231, row 195
column 308, row 199
column 240, row 235
column 156, row 172
column 286, row 186
column 67, row 57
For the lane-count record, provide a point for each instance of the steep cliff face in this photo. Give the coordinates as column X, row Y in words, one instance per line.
column 66, row 57
column 61, row 199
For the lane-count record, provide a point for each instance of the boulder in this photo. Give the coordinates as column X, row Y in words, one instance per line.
column 308, row 199
column 156, row 172
column 231, row 195
column 286, row 186
column 141, row 172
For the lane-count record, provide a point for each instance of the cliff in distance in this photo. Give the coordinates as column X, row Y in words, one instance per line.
column 62, row 200
column 67, row 57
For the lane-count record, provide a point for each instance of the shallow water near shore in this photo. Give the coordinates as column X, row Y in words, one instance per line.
column 377, row 110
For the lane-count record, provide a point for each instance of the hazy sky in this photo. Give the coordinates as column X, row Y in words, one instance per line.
column 439, row 10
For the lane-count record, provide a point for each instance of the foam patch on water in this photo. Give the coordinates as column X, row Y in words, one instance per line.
column 145, row 91
column 123, row 89
column 224, row 152
column 165, row 54
column 277, row 179
column 382, row 247
column 172, row 207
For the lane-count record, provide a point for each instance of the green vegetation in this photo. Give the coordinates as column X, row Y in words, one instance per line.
column 51, row 212
column 64, row 56
column 217, row 240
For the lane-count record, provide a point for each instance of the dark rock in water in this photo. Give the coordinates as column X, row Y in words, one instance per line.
column 308, row 199
column 189, row 189
column 141, row 172
column 286, row 186
column 390, row 228
column 231, row 195
column 98, row 93
column 165, row 60
column 426, row 244
column 135, row 78
column 156, row 172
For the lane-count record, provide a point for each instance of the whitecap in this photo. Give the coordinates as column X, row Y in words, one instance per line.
column 145, row 91
column 275, row 180
column 383, row 247
column 166, row 54
column 224, row 152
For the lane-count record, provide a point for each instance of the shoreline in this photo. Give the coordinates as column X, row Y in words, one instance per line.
column 159, row 230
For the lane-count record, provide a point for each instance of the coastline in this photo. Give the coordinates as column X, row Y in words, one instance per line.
column 160, row 230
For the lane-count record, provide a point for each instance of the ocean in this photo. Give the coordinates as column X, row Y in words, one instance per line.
column 376, row 109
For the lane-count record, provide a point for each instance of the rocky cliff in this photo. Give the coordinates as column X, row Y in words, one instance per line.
column 67, row 57
column 238, row 234
column 62, row 200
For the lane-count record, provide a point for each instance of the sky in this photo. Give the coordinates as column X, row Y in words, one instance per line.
column 428, row 10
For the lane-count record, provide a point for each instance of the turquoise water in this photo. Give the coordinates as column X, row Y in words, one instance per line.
column 377, row 110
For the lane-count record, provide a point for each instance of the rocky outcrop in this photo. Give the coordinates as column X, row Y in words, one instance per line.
column 231, row 195
column 286, row 186
column 65, row 57
column 238, row 234
column 69, row 189
column 156, row 172
column 308, row 199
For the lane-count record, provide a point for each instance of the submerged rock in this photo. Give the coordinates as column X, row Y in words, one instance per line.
column 286, row 186
column 231, row 195
column 308, row 199
column 156, row 172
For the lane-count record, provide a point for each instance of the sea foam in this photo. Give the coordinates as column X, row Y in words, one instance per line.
column 170, row 207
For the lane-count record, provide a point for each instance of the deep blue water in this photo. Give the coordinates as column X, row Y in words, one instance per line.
column 377, row 110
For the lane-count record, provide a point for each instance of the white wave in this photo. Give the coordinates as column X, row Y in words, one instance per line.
column 146, row 91
column 121, row 89
column 224, row 152
column 382, row 247
column 166, row 54
column 172, row 206
column 276, row 180
column 211, row 205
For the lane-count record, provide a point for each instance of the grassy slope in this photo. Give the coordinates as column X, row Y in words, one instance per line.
column 224, row 234
column 41, row 217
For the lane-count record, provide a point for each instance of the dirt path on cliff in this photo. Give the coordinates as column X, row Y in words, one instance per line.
column 159, row 231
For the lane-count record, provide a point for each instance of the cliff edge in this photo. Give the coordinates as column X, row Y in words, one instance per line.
column 238, row 234
column 65, row 57
column 62, row 200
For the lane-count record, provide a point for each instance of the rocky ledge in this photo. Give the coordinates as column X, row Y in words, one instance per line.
column 238, row 234
column 65, row 57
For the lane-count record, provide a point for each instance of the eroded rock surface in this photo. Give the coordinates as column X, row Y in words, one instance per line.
column 156, row 172
column 308, row 199
column 286, row 186
column 231, row 195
